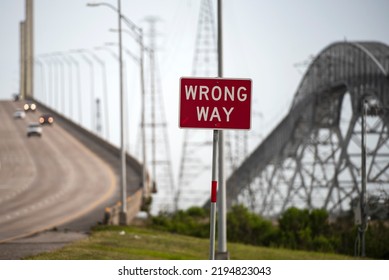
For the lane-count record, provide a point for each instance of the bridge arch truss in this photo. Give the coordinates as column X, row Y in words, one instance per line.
column 312, row 159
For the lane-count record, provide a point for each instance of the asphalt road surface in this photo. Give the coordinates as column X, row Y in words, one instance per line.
column 46, row 182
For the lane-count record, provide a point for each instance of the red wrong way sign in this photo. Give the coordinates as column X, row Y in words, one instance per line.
column 216, row 103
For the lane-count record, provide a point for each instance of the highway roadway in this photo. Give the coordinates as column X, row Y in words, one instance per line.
column 47, row 181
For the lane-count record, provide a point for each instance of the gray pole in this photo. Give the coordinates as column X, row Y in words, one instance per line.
column 213, row 197
column 123, row 212
column 146, row 190
column 222, row 217
column 126, row 113
column 363, row 200
column 105, row 96
column 152, row 35
column 22, row 90
column 139, row 39
column 29, row 44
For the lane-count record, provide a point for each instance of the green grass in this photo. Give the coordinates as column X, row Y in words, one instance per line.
column 139, row 243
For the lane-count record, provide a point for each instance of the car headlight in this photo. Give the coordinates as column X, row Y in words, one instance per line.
column 26, row 107
column 51, row 120
column 41, row 120
column 33, row 106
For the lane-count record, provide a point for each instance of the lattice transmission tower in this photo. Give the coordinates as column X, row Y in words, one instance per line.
column 157, row 140
column 196, row 149
column 197, row 144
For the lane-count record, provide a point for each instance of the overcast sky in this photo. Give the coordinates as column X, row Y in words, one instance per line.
column 263, row 41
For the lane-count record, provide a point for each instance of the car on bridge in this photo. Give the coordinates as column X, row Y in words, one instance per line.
column 29, row 107
column 46, row 119
column 19, row 114
column 34, row 129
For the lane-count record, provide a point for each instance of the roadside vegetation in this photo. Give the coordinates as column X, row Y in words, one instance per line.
column 296, row 229
column 145, row 243
column 296, row 235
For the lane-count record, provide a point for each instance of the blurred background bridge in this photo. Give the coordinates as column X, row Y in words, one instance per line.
column 312, row 159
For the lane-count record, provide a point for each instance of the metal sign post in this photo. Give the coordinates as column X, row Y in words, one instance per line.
column 213, row 197
column 221, row 253
column 363, row 198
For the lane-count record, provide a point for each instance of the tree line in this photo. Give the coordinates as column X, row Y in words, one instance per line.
column 298, row 229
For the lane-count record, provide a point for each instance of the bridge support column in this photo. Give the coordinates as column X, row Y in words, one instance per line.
column 22, row 88
column 29, row 50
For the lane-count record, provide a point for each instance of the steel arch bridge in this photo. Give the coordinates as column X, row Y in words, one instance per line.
column 312, row 159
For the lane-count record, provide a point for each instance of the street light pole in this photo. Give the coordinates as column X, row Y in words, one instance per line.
column 125, row 95
column 123, row 212
column 146, row 190
column 139, row 39
column 123, row 179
